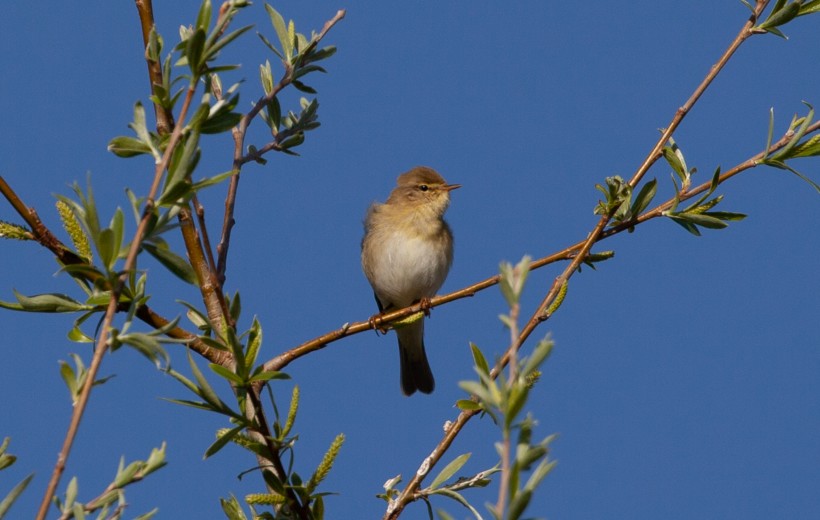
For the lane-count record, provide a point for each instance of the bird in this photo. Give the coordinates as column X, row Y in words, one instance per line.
column 407, row 251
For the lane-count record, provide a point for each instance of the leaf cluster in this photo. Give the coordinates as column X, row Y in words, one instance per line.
column 795, row 148
column 6, row 460
column 111, row 503
column 270, row 444
column 503, row 398
column 782, row 13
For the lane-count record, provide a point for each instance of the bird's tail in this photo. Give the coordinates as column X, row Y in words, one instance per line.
column 415, row 369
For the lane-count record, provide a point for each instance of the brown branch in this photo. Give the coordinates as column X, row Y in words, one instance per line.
column 568, row 253
column 165, row 118
column 239, row 159
column 540, row 315
column 41, row 233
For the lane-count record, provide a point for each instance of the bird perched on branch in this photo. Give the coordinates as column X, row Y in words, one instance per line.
column 407, row 251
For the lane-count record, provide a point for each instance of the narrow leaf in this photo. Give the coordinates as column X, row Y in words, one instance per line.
column 9, row 499
column 450, row 470
column 172, row 261
column 222, row 440
column 479, row 359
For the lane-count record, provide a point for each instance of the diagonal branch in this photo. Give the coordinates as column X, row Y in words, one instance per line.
column 239, row 133
column 165, row 118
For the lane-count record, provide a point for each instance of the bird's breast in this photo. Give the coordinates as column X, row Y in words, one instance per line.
column 410, row 267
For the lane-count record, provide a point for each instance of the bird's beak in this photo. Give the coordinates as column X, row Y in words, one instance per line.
column 451, row 187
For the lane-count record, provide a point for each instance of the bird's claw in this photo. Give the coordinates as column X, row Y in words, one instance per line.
column 373, row 321
column 425, row 305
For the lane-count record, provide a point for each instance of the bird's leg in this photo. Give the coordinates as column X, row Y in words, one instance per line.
column 375, row 317
column 425, row 306
column 375, row 326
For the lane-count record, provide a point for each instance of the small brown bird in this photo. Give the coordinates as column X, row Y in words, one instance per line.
column 407, row 251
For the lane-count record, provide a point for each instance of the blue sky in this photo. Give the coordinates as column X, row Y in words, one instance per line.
column 684, row 379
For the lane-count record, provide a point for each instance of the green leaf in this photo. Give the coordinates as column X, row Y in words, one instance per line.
column 172, row 261
column 770, row 134
column 726, row 215
column 193, row 404
column 479, row 359
column 106, row 248
column 194, row 47
column 688, row 226
column 269, row 45
column 148, row 346
column 475, row 388
column 203, row 18
column 516, row 399
column 6, row 459
column 124, row 146
column 221, row 122
column 117, row 226
column 210, row 181
column 541, row 351
column 267, row 375
column 213, row 50
column 15, row 492
column 254, row 342
column 541, row 471
column 293, row 141
column 232, row 509
column 281, row 31
column 126, row 475
column 786, row 151
column 222, row 440
column 203, row 388
column 703, row 220
column 322, row 54
column 518, row 504
column 644, row 197
column 674, row 161
column 50, row 302
column 302, row 87
column 149, row 515
column 275, row 114
column 468, row 405
column 810, row 7
column 450, row 470
column 235, row 307
column 780, row 17
column 266, row 77
column 449, row 493
column 784, row 166
column 226, row 373
column 808, row 148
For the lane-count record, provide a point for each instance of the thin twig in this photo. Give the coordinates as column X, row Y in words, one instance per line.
column 165, row 118
column 113, row 303
column 240, row 159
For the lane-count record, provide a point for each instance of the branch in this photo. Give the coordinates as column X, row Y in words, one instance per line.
column 165, row 118
column 239, row 159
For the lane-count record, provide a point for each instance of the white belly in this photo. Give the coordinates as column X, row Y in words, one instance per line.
column 408, row 269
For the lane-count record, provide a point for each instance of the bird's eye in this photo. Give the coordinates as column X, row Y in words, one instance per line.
column 423, row 187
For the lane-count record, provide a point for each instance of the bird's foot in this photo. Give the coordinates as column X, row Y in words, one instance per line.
column 374, row 324
column 425, row 306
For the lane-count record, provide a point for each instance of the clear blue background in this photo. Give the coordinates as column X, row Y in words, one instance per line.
column 684, row 383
